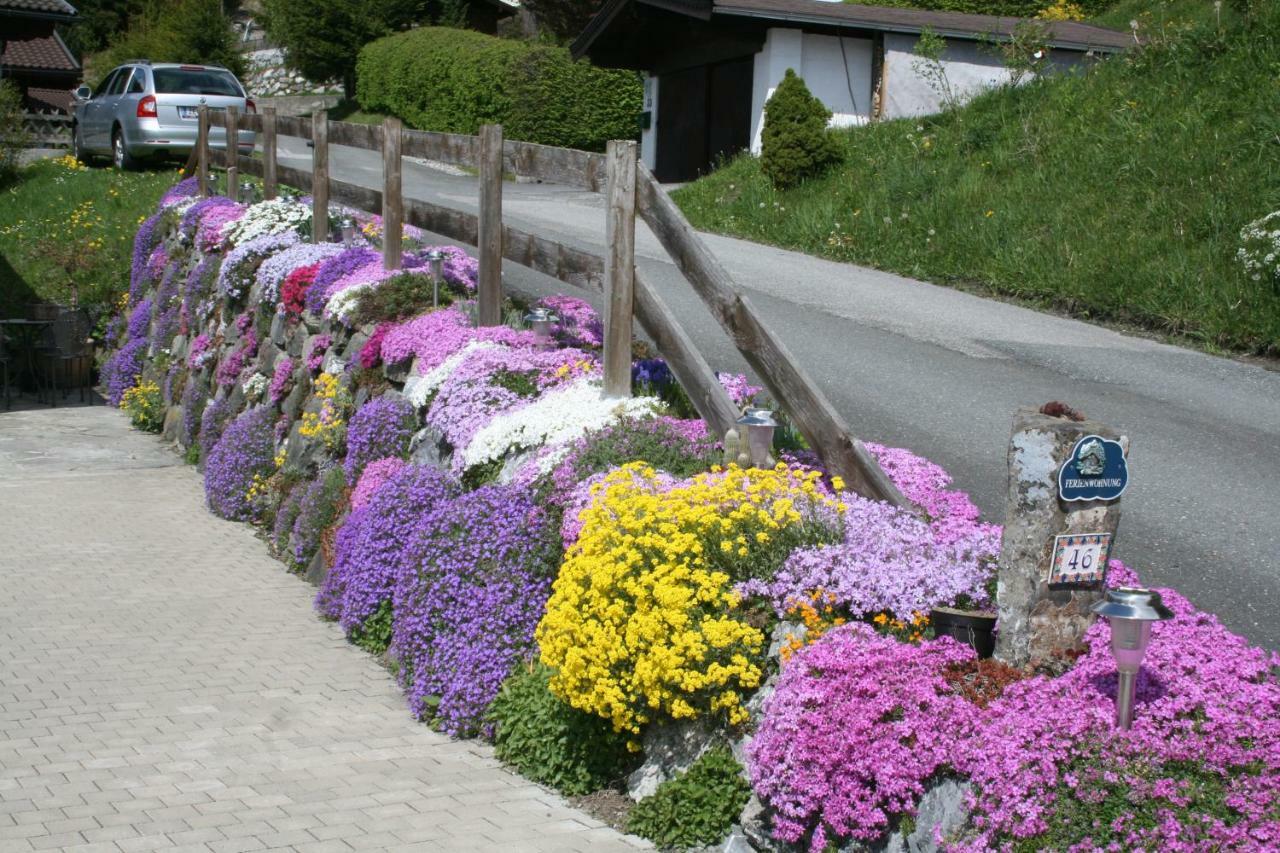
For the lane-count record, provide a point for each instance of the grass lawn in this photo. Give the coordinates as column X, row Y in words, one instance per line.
column 61, row 223
column 1116, row 195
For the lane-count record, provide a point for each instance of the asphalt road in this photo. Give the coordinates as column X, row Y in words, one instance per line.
column 941, row 372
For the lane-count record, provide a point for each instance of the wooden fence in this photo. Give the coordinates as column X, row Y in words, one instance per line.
column 47, row 130
column 629, row 189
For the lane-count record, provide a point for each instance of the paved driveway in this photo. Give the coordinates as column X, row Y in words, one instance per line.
column 164, row 684
column 939, row 371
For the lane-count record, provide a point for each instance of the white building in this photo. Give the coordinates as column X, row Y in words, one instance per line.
column 710, row 65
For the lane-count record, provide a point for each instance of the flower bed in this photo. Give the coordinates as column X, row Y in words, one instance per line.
column 616, row 583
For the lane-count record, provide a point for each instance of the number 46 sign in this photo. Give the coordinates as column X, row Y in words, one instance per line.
column 1079, row 558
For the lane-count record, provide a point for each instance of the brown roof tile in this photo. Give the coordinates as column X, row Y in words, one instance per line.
column 38, row 7
column 46, row 53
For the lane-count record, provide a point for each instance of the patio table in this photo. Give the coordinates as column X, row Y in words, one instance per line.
column 23, row 337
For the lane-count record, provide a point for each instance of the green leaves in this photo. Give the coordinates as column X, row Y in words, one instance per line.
column 696, row 808
column 552, row 742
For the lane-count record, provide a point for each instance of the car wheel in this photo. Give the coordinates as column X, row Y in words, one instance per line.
column 77, row 146
column 120, row 155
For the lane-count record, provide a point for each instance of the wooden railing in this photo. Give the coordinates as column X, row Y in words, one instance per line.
column 629, row 189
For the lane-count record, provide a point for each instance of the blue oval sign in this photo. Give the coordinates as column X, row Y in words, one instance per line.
column 1096, row 471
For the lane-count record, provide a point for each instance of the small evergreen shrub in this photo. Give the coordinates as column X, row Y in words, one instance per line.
column 696, row 808
column 399, row 297
column 550, row 741
column 795, row 142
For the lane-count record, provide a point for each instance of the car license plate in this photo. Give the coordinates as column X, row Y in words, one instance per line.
column 194, row 112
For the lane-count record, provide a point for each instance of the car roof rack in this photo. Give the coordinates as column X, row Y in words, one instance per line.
column 136, row 62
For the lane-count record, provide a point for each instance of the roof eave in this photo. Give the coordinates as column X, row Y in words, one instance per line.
column 905, row 29
column 36, row 15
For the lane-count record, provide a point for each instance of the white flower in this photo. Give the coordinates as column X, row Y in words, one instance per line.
column 342, row 303
column 554, row 418
column 417, row 388
column 274, row 216
column 254, row 386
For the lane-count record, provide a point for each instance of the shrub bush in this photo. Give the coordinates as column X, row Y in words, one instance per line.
column 12, row 134
column 696, row 808
column 380, row 428
column 237, row 468
column 550, row 741
column 443, row 79
column 795, row 142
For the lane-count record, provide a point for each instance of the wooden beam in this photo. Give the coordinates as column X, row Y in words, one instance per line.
column 619, row 266
column 269, row 152
column 789, row 383
column 202, row 148
column 556, row 165
column 489, row 247
column 296, row 126
column 320, row 178
column 232, row 141
column 452, row 148
column 392, row 197
column 352, row 135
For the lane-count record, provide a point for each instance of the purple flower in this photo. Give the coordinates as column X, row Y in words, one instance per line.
column 183, row 189
column 315, row 354
column 241, row 263
column 375, row 474
column 122, row 369
column 318, row 508
column 280, row 378
column 193, row 401
column 140, row 321
column 144, row 243
column 334, row 268
column 375, row 535
column 579, row 325
column 273, row 271
column 470, row 590
column 381, row 427
column 236, row 469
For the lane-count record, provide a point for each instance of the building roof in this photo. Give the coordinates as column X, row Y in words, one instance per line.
column 59, row 9
column 1068, row 35
column 41, row 53
column 59, row 100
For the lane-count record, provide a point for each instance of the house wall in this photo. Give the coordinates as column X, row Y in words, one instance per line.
column 841, row 80
column 970, row 69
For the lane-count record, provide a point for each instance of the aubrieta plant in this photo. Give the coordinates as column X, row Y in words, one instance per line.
column 242, row 458
column 380, row 428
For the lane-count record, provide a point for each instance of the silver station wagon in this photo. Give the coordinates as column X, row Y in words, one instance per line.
column 145, row 111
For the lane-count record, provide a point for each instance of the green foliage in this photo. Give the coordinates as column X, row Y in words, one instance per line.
column 61, row 225
column 696, row 808
column 522, row 383
column 322, row 38
column 550, row 741
column 144, row 406
column 401, row 296
column 1115, row 193
column 374, row 636
column 795, row 142
column 13, row 136
column 482, row 474
column 436, row 78
column 641, row 441
column 192, row 454
column 182, row 31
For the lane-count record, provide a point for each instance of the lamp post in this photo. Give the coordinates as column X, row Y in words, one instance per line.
column 541, row 319
column 348, row 231
column 759, row 426
column 436, row 258
column 1130, row 611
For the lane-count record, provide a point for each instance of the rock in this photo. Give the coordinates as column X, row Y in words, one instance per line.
column 513, row 463
column 267, row 356
column 333, row 363
column 291, row 406
column 303, row 453
column 943, row 806
column 351, row 350
column 317, row 569
column 362, row 397
column 669, row 750
column 298, row 341
column 172, row 423
column 398, row 373
column 278, row 329
column 179, row 348
column 428, row 447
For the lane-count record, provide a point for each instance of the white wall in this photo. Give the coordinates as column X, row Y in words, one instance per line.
column 969, row 66
column 649, row 136
column 829, row 75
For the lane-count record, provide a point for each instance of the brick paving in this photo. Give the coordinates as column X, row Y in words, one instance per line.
column 165, row 685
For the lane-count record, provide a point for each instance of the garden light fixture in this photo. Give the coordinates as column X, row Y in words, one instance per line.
column 248, row 192
column 436, row 257
column 1130, row 611
column 759, row 426
column 540, row 320
column 348, row 231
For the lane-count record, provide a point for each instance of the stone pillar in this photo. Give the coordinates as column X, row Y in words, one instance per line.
column 1039, row 623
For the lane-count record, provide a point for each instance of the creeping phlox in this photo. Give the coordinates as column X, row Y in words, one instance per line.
column 643, row 620
column 329, row 424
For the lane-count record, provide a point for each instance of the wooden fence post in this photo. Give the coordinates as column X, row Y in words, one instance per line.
column 619, row 266
column 269, row 152
column 320, row 177
column 233, row 153
column 490, row 225
column 392, row 197
column 202, row 148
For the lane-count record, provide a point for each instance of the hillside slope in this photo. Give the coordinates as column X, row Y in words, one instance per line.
column 1116, row 194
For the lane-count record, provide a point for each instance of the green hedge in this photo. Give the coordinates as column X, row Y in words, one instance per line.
column 437, row 78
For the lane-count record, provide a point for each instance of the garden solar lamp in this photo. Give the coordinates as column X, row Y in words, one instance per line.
column 540, row 320
column 1130, row 610
column 759, row 425
column 248, row 192
column 436, row 257
column 348, row 231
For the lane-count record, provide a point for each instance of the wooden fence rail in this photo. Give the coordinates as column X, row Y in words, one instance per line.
column 629, row 188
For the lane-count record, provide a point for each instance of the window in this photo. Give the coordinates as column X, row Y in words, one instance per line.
column 105, row 88
column 196, row 81
column 117, row 85
column 138, row 84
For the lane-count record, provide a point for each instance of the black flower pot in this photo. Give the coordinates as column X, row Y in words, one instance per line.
column 974, row 628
